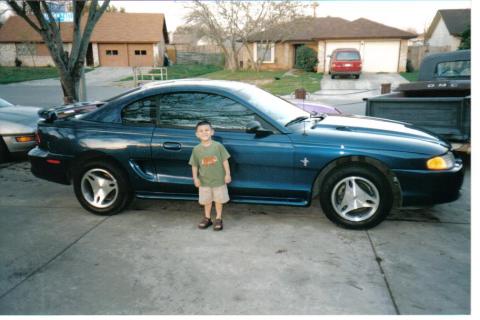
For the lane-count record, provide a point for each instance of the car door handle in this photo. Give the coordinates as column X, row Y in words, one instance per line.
column 172, row 146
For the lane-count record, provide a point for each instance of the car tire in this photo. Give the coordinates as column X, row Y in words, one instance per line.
column 4, row 154
column 102, row 187
column 356, row 197
column 333, row 76
column 357, row 76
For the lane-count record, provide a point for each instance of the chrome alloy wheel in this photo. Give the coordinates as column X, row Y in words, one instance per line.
column 99, row 188
column 355, row 198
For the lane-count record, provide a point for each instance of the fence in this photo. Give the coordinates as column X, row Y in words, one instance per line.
column 190, row 54
column 417, row 53
column 146, row 74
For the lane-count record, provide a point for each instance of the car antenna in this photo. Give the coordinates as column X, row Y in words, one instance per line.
column 303, row 107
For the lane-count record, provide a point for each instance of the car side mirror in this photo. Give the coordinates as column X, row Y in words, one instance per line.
column 256, row 127
column 253, row 126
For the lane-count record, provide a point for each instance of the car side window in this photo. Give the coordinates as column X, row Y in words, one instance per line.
column 141, row 113
column 186, row 109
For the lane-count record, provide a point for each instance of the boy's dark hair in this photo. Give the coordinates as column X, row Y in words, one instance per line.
column 203, row 123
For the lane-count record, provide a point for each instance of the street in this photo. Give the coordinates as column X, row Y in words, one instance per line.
column 59, row 259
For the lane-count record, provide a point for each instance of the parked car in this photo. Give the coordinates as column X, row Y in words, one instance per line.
column 345, row 62
column 139, row 143
column 440, row 101
column 17, row 129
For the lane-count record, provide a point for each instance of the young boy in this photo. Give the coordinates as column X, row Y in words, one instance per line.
column 211, row 173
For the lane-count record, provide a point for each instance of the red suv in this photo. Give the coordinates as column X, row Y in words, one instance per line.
column 345, row 61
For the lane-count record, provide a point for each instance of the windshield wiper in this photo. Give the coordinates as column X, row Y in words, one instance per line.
column 297, row 119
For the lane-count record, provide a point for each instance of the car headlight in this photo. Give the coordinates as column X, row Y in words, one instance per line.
column 445, row 162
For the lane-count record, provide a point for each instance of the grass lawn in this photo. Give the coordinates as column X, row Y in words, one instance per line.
column 276, row 82
column 19, row 74
column 410, row 76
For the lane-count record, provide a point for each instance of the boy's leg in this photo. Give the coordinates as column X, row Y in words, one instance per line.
column 218, row 209
column 208, row 209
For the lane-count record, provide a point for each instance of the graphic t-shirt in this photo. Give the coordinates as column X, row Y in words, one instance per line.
column 209, row 161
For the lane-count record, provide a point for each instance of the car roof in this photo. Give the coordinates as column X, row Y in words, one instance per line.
column 202, row 82
column 346, row 49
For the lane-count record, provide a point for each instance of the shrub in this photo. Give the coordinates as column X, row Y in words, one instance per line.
column 18, row 62
column 306, row 58
column 410, row 67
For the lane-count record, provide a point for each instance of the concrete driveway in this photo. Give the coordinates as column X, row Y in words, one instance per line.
column 367, row 81
column 56, row 258
column 347, row 93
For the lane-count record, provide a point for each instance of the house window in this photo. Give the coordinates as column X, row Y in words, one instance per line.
column 26, row 49
column 112, row 52
column 264, row 52
column 140, row 52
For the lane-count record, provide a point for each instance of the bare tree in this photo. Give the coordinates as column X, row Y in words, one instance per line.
column 230, row 24
column 70, row 65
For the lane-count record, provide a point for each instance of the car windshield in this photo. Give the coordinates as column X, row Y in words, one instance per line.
column 276, row 108
column 4, row 103
column 347, row 56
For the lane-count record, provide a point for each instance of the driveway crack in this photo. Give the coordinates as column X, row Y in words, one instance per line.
column 31, row 274
column 379, row 262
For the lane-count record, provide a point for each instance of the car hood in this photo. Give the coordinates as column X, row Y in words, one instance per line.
column 18, row 119
column 373, row 133
column 313, row 107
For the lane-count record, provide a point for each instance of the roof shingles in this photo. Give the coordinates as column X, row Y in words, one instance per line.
column 456, row 20
column 112, row 27
column 309, row 28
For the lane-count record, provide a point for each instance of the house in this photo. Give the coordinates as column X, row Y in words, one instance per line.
column 118, row 39
column 447, row 27
column 382, row 48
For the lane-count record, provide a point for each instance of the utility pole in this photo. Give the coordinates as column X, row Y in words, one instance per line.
column 315, row 5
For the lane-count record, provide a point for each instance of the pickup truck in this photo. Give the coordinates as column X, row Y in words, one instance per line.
column 439, row 101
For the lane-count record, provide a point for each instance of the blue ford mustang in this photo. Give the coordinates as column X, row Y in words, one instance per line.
column 138, row 144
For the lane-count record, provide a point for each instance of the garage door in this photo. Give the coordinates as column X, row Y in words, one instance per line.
column 380, row 56
column 332, row 45
column 113, row 55
column 140, row 55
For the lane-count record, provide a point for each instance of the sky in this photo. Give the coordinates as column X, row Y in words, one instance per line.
column 399, row 14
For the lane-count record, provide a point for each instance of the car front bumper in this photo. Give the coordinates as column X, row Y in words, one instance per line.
column 18, row 147
column 49, row 166
column 426, row 187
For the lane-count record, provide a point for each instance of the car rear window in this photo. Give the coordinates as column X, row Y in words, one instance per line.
column 453, row 69
column 347, row 55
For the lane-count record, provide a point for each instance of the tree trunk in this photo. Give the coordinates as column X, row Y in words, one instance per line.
column 70, row 93
column 43, row 22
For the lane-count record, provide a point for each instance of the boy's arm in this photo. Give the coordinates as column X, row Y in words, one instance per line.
column 226, row 166
column 196, row 181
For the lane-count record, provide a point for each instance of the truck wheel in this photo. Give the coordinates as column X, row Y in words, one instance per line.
column 4, row 154
column 356, row 197
column 102, row 188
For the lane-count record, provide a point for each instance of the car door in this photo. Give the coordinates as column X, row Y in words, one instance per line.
column 261, row 167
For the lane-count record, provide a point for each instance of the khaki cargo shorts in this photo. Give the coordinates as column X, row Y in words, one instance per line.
column 217, row 194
